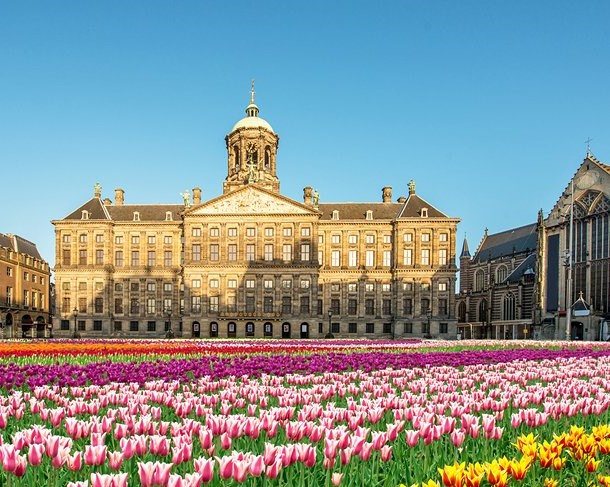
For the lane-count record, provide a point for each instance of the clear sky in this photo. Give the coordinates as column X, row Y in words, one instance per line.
column 485, row 104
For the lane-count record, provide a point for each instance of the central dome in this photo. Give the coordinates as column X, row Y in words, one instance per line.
column 252, row 120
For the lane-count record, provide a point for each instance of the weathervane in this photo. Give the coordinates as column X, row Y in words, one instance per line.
column 588, row 142
column 252, row 92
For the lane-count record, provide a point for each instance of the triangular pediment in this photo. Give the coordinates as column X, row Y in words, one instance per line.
column 251, row 200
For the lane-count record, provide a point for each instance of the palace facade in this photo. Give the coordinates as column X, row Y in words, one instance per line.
column 255, row 263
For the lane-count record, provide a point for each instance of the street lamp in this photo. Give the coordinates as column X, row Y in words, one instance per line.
column 428, row 315
column 330, row 331
column 76, row 333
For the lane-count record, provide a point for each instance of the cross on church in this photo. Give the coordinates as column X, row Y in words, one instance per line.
column 588, row 142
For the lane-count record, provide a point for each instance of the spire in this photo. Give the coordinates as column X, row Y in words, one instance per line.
column 252, row 109
column 465, row 250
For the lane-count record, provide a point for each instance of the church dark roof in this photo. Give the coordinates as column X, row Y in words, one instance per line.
column 528, row 266
column 465, row 249
column 503, row 244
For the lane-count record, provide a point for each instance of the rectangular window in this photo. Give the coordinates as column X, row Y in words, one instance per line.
column 268, row 304
column 82, row 257
column 425, row 305
column 82, row 305
column 352, row 327
column 64, row 325
column 443, row 328
column 335, row 287
column 304, row 305
column 286, row 283
column 352, row 307
column 151, row 325
column 387, row 328
column 249, row 283
column 305, row 232
column 369, row 287
column 370, row 328
column 99, row 305
column 250, row 252
column 151, row 306
column 196, row 283
column 167, row 239
column 118, row 306
column 407, row 237
column 151, row 260
column 232, row 283
column 118, row 239
column 197, row 232
column 66, row 238
column 387, row 306
column 425, row 256
column 352, row 257
column 26, row 301
column 408, row 327
column 213, row 304
column 442, row 237
column 370, row 239
column 214, row 232
column 82, row 286
column 335, row 306
column 196, row 304
column 287, row 252
column 286, row 305
column 442, row 257
column 214, row 252
column 369, row 306
column 387, row 258
column 353, row 239
column 118, row 326
column 407, row 306
column 152, row 239
column 250, row 232
column 134, row 326
column 167, row 258
column 81, row 325
column 335, row 259
column 231, row 304
column 425, row 237
column 232, row 249
column 65, row 257
column 442, row 307
column 269, row 252
column 135, row 239
column 213, row 283
column 168, row 287
column 232, row 232
column 387, row 238
column 99, row 257
column 268, row 283
column 134, row 286
column 336, row 327
column 196, row 254
column 370, row 258
column 250, row 304
column 134, row 306
column 135, row 258
column 442, row 286
column 167, row 305
column 305, row 283
column 269, row 232
column 287, row 231
column 305, row 252
column 386, row 287
column 335, row 239
column 82, row 238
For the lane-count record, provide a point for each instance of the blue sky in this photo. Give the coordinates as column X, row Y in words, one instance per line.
column 485, row 104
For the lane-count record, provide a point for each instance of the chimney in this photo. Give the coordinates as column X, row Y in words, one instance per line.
column 307, row 193
column 196, row 196
column 119, row 196
column 386, row 194
column 402, row 199
column 107, row 202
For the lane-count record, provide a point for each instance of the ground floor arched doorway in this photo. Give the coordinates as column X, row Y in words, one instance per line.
column 196, row 329
column 231, row 329
column 304, row 330
column 213, row 329
column 577, row 331
column 268, row 329
column 285, row 330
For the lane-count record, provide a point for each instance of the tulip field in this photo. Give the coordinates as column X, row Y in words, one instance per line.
column 152, row 413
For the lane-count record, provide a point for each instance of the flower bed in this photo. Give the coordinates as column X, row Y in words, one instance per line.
column 305, row 413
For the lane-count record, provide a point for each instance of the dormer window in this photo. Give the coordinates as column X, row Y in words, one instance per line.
column 335, row 214
column 84, row 215
column 424, row 213
column 136, row 216
column 168, row 216
column 369, row 214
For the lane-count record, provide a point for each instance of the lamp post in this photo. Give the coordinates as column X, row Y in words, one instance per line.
column 428, row 315
column 76, row 333
column 330, row 331
column 170, row 332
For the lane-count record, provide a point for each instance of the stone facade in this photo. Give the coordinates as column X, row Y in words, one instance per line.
column 25, row 286
column 253, row 262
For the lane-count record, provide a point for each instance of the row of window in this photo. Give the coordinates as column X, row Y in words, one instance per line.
column 27, row 276
column 118, row 239
column 250, row 232
column 31, row 299
column 151, row 326
column 154, row 306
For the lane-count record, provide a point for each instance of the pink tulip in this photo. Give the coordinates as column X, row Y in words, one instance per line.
column 240, row 470
column 162, row 472
column 457, row 437
column 257, row 465
column 345, row 455
column 75, row 461
column 412, row 437
column 336, row 478
column 35, row 453
column 386, row 453
column 176, row 481
column 20, row 465
column 225, row 467
column 225, row 441
column 273, row 470
column 115, row 460
column 205, row 438
column 366, row 451
column 205, row 467
column 147, row 473
column 80, row 483
column 95, row 455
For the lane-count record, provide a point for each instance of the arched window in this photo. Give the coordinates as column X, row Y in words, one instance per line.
column 483, row 310
column 236, row 158
column 508, row 307
column 462, row 312
column 479, row 277
column 267, row 158
column 501, row 274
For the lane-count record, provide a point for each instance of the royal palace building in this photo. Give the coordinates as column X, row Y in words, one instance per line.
column 255, row 263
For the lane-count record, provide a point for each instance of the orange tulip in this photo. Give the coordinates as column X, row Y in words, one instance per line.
column 474, row 474
column 452, row 475
column 558, row 463
column 550, row 483
column 604, row 446
column 592, row 464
